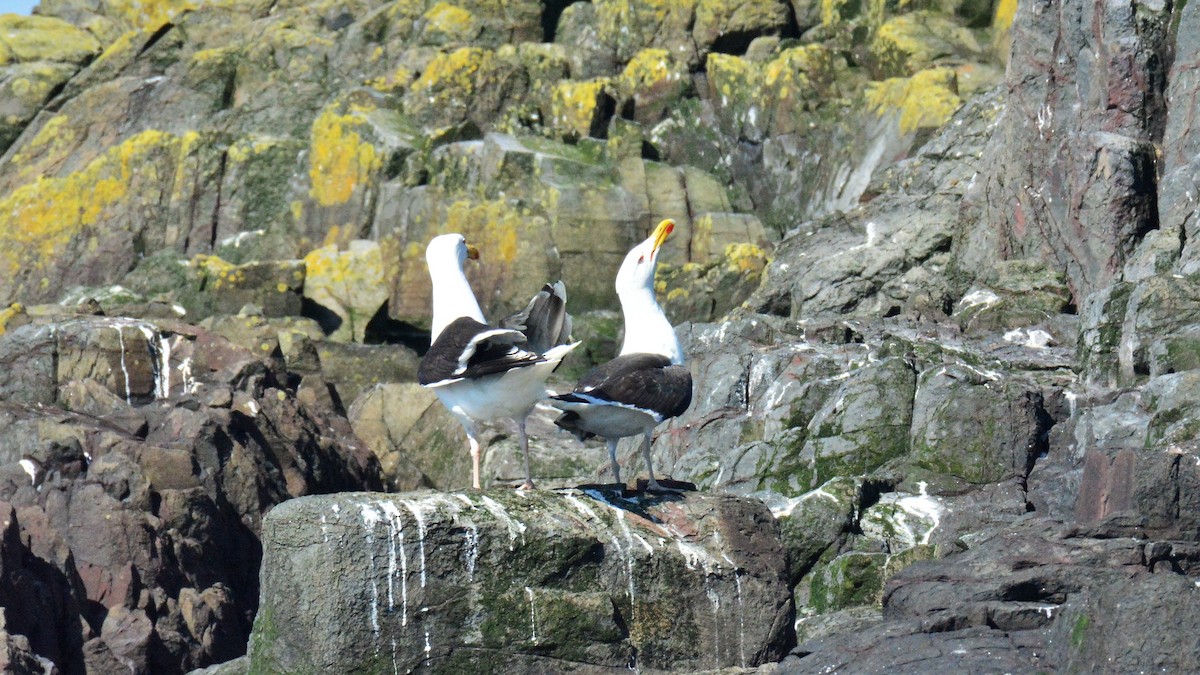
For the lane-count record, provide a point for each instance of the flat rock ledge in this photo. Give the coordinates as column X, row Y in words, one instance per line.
column 590, row 579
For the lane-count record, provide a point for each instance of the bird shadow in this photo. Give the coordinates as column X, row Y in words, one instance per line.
column 637, row 499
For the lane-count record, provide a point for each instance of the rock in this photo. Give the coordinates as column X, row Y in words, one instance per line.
column 349, row 283
column 135, row 535
column 592, row 597
column 352, row 369
column 629, row 26
column 972, row 426
column 909, row 43
column 1178, row 172
column 1019, row 293
column 1055, row 186
column 652, row 82
column 862, row 425
column 704, row 293
column 38, row 54
column 851, row 262
column 724, row 26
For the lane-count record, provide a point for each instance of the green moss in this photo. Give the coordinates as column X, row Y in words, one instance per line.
column 1079, row 631
column 851, row 579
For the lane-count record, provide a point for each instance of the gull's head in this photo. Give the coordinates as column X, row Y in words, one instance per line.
column 638, row 269
column 445, row 248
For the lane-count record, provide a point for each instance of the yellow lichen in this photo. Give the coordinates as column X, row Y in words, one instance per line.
column 43, row 38
column 339, row 158
column 831, row 11
column 7, row 314
column 52, row 140
column 649, row 67
column 925, row 100
column 574, row 105
column 745, row 258
column 910, row 42
column 148, row 15
column 401, row 78
column 1006, row 11
column 122, row 46
column 455, row 71
column 38, row 219
column 349, row 281
column 449, row 22
column 800, row 72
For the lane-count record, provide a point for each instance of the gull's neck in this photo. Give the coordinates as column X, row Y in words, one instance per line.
column 647, row 329
column 452, row 298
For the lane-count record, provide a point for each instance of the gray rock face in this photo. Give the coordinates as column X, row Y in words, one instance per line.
column 589, row 579
column 1069, row 175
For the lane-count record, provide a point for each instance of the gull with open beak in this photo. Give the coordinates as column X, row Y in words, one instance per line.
column 647, row 382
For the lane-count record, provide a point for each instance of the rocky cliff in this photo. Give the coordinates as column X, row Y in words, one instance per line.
column 934, row 272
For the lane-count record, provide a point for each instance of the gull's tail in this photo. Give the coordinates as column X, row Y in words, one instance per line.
column 544, row 321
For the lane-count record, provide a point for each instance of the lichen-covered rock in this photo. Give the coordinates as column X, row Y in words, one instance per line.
column 906, row 44
column 926, row 100
column 218, row 287
column 65, row 231
column 727, row 25
column 758, row 100
column 43, row 38
column 24, row 89
column 580, row 109
column 350, row 283
column 629, row 26
column 695, row 292
column 652, row 82
column 518, row 581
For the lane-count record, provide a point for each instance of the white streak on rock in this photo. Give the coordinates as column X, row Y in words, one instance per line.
column 532, row 616
column 124, row 367
column 371, row 518
column 515, row 527
column 980, row 297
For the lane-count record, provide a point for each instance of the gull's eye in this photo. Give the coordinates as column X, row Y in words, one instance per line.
column 641, row 259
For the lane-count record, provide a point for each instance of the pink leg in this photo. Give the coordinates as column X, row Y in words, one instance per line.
column 474, row 460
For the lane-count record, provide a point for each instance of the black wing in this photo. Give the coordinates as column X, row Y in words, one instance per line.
column 649, row 382
column 545, row 321
column 468, row 349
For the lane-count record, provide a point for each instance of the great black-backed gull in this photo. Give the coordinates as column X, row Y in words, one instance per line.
column 647, row 382
column 483, row 373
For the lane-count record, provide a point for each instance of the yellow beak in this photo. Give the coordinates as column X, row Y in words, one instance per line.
column 472, row 252
column 663, row 231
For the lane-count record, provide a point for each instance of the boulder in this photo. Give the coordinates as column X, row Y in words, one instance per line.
column 351, row 283
column 133, row 517
column 515, row 581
